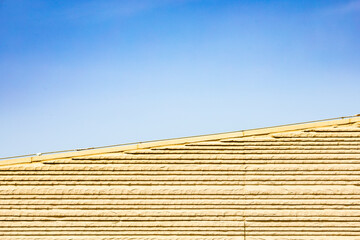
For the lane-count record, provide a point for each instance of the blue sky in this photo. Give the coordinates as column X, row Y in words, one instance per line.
column 77, row 74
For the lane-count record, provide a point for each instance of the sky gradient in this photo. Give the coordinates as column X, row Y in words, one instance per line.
column 76, row 74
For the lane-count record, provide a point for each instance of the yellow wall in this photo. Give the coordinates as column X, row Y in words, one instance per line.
column 299, row 182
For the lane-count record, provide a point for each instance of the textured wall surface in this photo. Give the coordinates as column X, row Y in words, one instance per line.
column 290, row 185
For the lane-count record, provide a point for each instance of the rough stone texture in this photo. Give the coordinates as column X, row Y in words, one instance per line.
column 289, row 185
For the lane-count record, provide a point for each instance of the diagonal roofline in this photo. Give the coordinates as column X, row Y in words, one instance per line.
column 31, row 158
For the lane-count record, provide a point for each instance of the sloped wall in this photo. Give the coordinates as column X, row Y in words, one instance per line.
column 292, row 185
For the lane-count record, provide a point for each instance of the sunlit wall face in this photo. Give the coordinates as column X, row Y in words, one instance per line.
column 77, row 74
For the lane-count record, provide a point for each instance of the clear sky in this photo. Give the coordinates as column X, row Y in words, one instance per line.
column 77, row 74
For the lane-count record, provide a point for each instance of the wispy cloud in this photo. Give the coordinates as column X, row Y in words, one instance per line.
column 108, row 9
column 345, row 8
